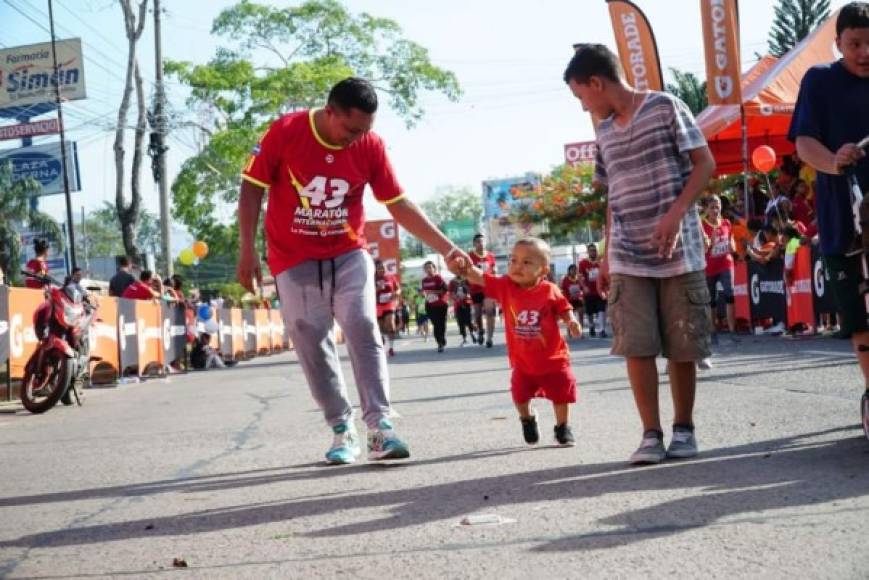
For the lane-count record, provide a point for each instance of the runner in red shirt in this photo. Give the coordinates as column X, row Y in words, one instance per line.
column 485, row 260
column 538, row 354
column 387, row 291
column 571, row 288
column 141, row 289
column 720, row 247
column 460, row 292
column 37, row 265
column 434, row 290
column 595, row 300
column 315, row 165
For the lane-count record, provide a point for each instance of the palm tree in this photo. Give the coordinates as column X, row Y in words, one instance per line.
column 793, row 21
column 690, row 89
column 15, row 209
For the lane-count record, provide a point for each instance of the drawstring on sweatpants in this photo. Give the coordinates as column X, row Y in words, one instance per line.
column 320, row 277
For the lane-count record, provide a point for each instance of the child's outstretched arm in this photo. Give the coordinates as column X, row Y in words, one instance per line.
column 574, row 328
column 474, row 275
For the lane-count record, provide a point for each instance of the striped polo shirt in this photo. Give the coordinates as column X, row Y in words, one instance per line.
column 645, row 166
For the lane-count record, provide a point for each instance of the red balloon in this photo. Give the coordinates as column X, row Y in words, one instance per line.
column 763, row 158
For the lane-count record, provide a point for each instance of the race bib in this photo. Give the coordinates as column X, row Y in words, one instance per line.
column 573, row 289
column 432, row 297
column 386, row 298
column 592, row 274
column 722, row 248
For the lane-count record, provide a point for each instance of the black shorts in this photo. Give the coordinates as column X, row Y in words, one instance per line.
column 846, row 274
column 576, row 304
column 478, row 297
column 594, row 304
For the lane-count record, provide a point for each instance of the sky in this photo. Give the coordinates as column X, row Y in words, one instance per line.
column 515, row 116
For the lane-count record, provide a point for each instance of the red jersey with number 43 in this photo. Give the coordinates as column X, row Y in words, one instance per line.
column 434, row 288
column 486, row 263
column 386, row 289
column 315, row 190
column 534, row 339
column 719, row 256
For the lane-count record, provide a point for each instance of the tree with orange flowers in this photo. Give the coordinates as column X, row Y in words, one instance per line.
column 564, row 199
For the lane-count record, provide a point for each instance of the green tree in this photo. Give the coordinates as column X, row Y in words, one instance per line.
column 690, row 89
column 300, row 52
column 451, row 203
column 15, row 211
column 102, row 236
column 793, row 21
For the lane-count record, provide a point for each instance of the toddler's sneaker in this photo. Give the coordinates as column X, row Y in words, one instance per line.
column 345, row 445
column 651, row 450
column 684, row 444
column 564, row 435
column 383, row 443
column 530, row 430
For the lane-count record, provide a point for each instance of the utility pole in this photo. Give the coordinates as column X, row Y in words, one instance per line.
column 158, row 143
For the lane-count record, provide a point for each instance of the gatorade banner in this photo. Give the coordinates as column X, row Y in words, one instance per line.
column 263, row 331
column 638, row 50
column 149, row 321
column 721, row 44
column 238, row 337
column 128, row 336
column 822, row 292
column 104, row 341
column 766, row 288
column 801, row 309
column 22, row 337
column 741, row 301
column 174, row 332
column 382, row 238
column 4, row 325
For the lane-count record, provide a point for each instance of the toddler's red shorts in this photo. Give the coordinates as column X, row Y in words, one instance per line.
column 558, row 387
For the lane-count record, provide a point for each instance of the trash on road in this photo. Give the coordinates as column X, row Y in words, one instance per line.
column 485, row 520
column 179, row 563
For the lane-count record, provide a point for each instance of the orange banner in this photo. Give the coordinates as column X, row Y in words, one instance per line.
column 149, row 324
column 22, row 338
column 801, row 307
column 638, row 50
column 382, row 238
column 104, row 341
column 742, row 304
column 721, row 43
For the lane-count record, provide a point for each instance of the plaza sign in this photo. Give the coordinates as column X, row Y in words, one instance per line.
column 43, row 163
column 27, row 74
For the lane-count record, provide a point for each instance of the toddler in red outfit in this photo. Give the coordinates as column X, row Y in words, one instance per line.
column 538, row 354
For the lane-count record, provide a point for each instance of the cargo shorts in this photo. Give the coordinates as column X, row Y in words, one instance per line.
column 652, row 316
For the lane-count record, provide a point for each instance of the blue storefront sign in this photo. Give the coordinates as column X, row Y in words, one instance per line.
column 43, row 163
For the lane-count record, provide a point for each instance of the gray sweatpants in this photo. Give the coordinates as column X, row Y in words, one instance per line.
column 313, row 296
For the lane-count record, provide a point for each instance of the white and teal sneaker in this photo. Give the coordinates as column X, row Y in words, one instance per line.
column 345, row 446
column 383, row 443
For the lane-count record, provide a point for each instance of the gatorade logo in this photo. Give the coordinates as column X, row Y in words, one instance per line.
column 387, row 230
column 755, row 289
column 818, row 278
column 16, row 344
column 167, row 334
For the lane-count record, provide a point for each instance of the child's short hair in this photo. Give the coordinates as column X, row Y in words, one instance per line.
column 538, row 244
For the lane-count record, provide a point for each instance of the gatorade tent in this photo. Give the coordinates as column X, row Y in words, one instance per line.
column 769, row 91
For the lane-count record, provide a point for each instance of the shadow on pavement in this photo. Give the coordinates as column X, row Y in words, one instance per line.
column 747, row 479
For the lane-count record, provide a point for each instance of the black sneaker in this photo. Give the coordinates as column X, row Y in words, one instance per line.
column 564, row 435
column 603, row 333
column 480, row 339
column 592, row 333
column 530, row 430
column 488, row 344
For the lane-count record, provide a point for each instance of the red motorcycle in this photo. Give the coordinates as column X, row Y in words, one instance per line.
column 56, row 370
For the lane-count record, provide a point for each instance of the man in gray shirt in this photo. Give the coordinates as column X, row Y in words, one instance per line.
column 654, row 162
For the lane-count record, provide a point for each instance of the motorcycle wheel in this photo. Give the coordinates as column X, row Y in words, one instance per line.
column 60, row 375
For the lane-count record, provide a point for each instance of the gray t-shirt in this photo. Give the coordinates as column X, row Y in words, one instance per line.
column 645, row 166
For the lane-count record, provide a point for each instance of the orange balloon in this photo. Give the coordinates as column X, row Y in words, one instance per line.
column 763, row 158
column 200, row 248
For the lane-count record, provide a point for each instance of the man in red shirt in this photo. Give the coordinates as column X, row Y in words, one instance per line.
column 315, row 165
column 387, row 291
column 485, row 260
column 141, row 289
column 434, row 289
column 38, row 265
column 461, row 296
column 538, row 354
column 720, row 246
column 595, row 300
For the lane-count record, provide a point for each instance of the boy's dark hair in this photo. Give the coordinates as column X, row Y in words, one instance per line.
column 429, row 262
column 479, row 237
column 590, row 246
column 754, row 225
column 853, row 15
column 593, row 60
column 354, row 93
column 146, row 275
column 123, row 262
column 40, row 246
column 205, row 338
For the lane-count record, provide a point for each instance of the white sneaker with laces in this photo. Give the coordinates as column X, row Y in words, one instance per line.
column 650, row 451
column 683, row 445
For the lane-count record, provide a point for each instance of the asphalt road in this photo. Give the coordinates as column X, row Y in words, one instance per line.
column 223, row 470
